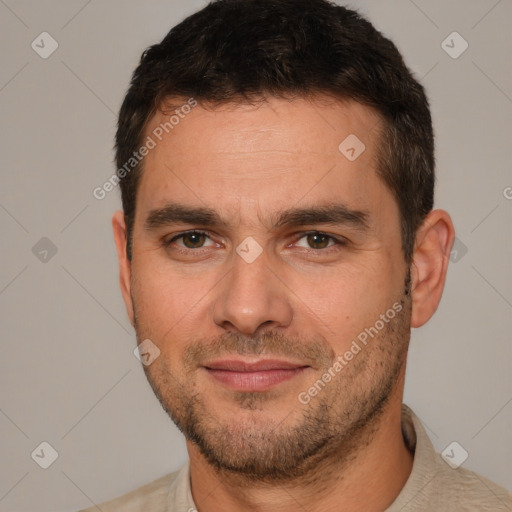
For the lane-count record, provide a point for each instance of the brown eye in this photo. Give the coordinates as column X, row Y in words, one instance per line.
column 193, row 240
column 318, row 240
column 189, row 240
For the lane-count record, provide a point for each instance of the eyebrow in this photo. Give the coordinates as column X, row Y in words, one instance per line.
column 175, row 213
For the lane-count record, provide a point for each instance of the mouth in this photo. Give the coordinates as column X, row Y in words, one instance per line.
column 240, row 375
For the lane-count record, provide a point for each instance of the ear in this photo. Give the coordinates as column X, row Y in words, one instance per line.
column 434, row 241
column 119, row 227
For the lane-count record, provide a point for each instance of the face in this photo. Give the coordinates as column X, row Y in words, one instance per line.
column 267, row 268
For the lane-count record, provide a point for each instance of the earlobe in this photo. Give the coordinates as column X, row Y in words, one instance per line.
column 434, row 242
column 119, row 229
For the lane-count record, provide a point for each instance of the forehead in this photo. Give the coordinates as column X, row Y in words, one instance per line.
column 262, row 156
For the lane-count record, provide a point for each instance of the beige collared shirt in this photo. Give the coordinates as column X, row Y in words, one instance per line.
column 432, row 485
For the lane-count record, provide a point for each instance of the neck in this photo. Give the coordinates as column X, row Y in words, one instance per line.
column 368, row 480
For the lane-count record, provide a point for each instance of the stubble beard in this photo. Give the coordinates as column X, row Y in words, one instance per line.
column 330, row 429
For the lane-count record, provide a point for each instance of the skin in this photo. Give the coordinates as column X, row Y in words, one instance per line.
column 302, row 299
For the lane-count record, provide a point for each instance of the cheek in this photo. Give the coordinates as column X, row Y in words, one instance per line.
column 166, row 303
column 347, row 300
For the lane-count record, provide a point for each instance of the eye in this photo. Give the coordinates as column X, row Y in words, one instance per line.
column 190, row 240
column 317, row 240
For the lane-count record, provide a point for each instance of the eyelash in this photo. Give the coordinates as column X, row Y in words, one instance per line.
column 337, row 242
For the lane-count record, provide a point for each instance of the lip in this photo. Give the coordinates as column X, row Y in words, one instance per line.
column 261, row 375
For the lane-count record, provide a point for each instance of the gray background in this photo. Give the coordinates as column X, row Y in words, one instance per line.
column 68, row 374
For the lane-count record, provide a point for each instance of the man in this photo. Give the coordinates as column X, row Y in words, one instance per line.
column 276, row 245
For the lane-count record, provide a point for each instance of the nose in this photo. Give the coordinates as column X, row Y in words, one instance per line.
column 252, row 298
